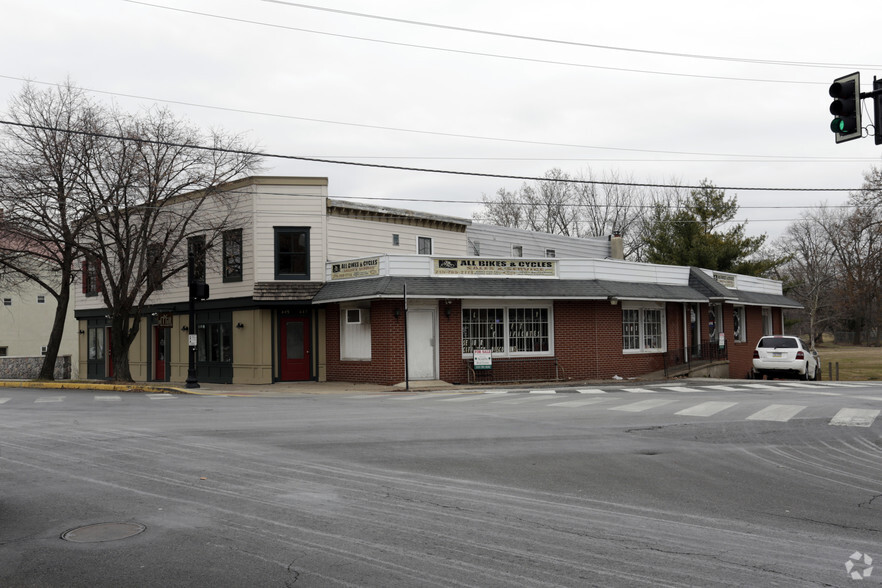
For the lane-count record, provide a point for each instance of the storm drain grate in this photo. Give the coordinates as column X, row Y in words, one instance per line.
column 100, row 532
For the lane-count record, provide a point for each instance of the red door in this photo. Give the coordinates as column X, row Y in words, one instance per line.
column 294, row 347
column 159, row 354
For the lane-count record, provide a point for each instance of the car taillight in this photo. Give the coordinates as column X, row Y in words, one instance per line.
column 800, row 355
column 755, row 354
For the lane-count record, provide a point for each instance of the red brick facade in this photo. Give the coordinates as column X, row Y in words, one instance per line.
column 587, row 344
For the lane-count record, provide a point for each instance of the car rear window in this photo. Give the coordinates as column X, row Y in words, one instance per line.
column 778, row 343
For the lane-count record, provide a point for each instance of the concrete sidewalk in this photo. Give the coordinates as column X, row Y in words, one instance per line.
column 279, row 389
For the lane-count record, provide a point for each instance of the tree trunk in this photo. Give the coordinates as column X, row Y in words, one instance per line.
column 121, row 337
column 47, row 372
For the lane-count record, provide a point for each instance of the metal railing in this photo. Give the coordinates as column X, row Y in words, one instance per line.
column 517, row 369
column 688, row 358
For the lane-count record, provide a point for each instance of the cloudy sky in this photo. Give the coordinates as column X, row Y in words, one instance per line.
column 649, row 90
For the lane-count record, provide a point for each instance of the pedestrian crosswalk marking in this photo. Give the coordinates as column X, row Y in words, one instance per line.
column 49, row 399
column 590, row 391
column 680, row 389
column 797, row 384
column 639, row 390
column 776, row 412
column 706, row 409
column 108, row 398
column 760, row 386
column 520, row 400
column 543, row 391
column 459, row 398
column 724, row 388
column 854, row 417
column 160, row 396
column 845, row 384
column 3, row 400
column 643, row 405
column 584, row 402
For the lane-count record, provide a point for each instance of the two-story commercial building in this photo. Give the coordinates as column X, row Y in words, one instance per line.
column 312, row 288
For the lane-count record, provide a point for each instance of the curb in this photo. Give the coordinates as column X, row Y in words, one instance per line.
column 94, row 386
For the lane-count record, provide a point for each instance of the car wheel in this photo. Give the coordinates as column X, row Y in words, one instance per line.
column 804, row 375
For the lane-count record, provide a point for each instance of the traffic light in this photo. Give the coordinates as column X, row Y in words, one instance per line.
column 846, row 107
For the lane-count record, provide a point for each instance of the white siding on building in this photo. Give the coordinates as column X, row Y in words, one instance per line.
column 498, row 241
column 352, row 237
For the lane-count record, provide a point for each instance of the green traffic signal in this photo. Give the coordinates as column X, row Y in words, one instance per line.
column 846, row 107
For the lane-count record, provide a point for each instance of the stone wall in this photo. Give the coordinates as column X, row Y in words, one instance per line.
column 27, row 368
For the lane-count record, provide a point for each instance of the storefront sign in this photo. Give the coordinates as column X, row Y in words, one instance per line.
column 494, row 267
column 361, row 268
column 482, row 359
column 725, row 280
column 164, row 320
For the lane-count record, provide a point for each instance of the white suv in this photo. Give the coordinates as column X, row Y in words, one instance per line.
column 783, row 355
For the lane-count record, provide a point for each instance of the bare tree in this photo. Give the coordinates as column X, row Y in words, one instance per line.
column 41, row 168
column 149, row 190
column 811, row 272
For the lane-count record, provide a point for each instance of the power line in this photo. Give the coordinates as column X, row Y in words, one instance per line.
column 774, row 158
column 563, row 42
column 413, row 169
column 473, row 53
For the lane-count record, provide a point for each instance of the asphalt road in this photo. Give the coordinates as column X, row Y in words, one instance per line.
column 748, row 484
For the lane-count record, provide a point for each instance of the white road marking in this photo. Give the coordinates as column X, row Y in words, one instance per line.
column 854, row 417
column 463, row 398
column 776, row 412
column 639, row 390
column 108, row 398
column 724, row 388
column 4, row 400
column 760, row 386
column 643, row 405
column 797, row 385
column 590, row 391
column 49, row 399
column 585, row 402
column 680, row 389
column 846, row 384
column 495, row 391
column 543, row 391
column 706, row 408
column 356, row 397
column 432, row 396
column 160, row 396
column 520, row 400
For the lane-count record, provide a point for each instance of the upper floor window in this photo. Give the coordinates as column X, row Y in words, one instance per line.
column 91, row 277
column 41, row 299
column 424, row 245
column 7, row 302
column 233, row 255
column 154, row 266
column 292, row 253
column 550, row 253
column 517, row 250
column 395, row 239
column 196, row 259
column 4, row 351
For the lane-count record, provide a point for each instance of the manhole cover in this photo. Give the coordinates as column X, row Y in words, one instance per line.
column 103, row 532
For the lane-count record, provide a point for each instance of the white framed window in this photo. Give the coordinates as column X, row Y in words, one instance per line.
column 517, row 250
column 550, row 253
column 7, row 302
column 353, row 316
column 519, row 329
column 41, row 299
column 43, row 350
column 424, row 245
column 4, row 351
column 396, row 240
column 643, row 328
column 739, row 327
column 355, row 335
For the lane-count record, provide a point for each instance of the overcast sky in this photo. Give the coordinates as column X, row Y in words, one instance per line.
column 650, row 90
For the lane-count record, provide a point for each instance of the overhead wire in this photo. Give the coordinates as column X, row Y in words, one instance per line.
column 414, row 169
column 482, row 53
column 770, row 158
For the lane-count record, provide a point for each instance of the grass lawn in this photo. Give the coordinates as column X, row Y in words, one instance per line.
column 855, row 363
